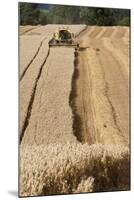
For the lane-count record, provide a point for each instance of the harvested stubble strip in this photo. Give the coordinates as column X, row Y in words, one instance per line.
column 73, row 168
column 110, row 91
column 51, row 115
column 121, row 58
column 29, row 81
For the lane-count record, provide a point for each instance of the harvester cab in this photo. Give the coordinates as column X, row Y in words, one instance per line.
column 63, row 37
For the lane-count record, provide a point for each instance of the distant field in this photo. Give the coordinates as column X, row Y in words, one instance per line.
column 74, row 111
column 25, row 29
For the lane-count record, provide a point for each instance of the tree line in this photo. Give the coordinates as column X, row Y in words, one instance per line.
column 31, row 14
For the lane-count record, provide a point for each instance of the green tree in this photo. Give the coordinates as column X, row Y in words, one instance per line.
column 125, row 21
column 42, row 18
column 64, row 14
column 87, row 15
column 29, row 14
column 97, row 16
column 104, row 16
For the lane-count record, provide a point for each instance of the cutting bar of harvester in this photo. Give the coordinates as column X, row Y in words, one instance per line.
column 53, row 43
column 63, row 45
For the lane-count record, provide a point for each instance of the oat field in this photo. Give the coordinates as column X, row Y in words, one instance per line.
column 74, row 111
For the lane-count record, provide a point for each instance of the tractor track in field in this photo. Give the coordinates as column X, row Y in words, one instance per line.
column 81, row 32
column 120, row 44
column 50, row 109
column 31, row 61
column 108, row 32
column 30, row 101
column 95, row 32
column 28, row 115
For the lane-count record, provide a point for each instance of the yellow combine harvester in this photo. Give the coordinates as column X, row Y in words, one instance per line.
column 63, row 37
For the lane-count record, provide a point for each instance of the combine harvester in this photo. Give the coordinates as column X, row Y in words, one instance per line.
column 63, row 37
